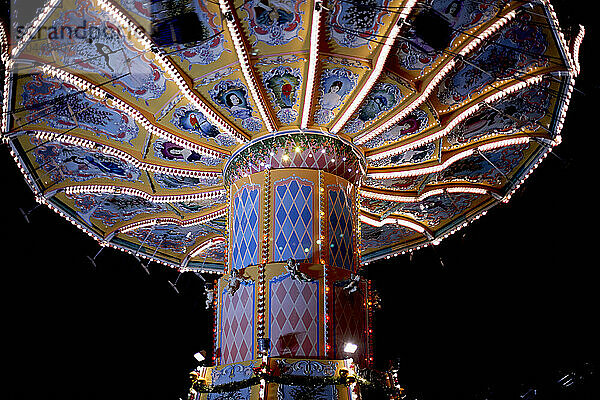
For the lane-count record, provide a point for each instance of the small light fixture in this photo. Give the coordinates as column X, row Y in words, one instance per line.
column 350, row 348
column 200, row 356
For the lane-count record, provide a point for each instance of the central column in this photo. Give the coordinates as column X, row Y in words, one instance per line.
column 290, row 288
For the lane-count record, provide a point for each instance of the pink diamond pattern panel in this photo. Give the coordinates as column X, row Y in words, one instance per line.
column 350, row 319
column 237, row 325
column 314, row 158
column 294, row 317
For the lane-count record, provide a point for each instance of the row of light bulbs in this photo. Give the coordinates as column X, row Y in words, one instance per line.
column 313, row 56
column 5, row 59
column 402, row 198
column 168, row 220
column 92, row 189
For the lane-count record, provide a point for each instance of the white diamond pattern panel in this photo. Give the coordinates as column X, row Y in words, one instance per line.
column 237, row 325
column 294, row 317
column 245, row 226
column 293, row 222
column 340, row 228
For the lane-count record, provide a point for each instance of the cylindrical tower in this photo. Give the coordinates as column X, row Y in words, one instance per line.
column 291, row 291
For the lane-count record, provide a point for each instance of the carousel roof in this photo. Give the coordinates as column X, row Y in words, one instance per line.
column 123, row 115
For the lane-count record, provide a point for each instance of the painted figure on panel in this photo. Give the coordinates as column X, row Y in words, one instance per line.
column 383, row 97
column 335, row 86
column 233, row 96
column 191, row 120
column 283, row 83
column 274, row 22
column 355, row 23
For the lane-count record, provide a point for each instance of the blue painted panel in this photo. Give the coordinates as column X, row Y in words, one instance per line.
column 245, row 223
column 340, row 228
column 293, row 223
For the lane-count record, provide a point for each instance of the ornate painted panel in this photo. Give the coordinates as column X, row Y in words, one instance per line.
column 385, row 95
column 517, row 48
column 413, row 124
column 68, row 162
column 316, row 368
column 336, row 84
column 492, row 167
column 48, row 103
column 111, row 209
column 357, row 24
column 168, row 237
column 284, row 83
column 519, row 112
column 373, row 237
column 275, row 23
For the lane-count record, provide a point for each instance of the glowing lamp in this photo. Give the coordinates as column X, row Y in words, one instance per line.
column 350, row 347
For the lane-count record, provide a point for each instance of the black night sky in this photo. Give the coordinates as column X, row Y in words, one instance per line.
column 506, row 304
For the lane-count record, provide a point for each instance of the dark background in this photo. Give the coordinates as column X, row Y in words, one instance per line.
column 506, row 304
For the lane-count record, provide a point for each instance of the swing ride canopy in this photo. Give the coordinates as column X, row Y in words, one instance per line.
column 131, row 118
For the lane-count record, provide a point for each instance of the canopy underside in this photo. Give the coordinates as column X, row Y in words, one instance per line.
column 122, row 118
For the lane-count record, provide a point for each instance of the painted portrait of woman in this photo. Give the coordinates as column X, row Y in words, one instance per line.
column 332, row 98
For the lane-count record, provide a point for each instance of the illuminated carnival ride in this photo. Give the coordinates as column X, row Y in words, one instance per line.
column 282, row 145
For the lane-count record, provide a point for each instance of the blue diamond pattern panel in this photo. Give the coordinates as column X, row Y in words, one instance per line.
column 245, row 226
column 340, row 228
column 293, row 222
